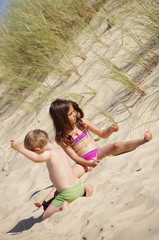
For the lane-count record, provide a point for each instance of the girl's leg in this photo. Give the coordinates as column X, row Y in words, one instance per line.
column 52, row 209
column 123, row 147
column 47, row 198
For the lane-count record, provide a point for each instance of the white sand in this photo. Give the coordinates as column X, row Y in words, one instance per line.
column 125, row 202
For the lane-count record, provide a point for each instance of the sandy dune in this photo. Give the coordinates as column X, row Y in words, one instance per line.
column 125, row 202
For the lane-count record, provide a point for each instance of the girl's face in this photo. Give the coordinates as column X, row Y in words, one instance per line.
column 72, row 115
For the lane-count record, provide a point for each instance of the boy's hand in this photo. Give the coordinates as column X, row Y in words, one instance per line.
column 14, row 144
column 114, row 128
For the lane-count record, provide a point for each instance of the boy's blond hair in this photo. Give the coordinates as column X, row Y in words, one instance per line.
column 36, row 139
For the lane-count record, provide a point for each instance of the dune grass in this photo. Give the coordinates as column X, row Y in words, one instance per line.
column 143, row 55
column 146, row 19
column 149, row 17
column 34, row 36
column 117, row 74
column 37, row 34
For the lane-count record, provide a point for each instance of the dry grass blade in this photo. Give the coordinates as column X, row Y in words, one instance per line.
column 118, row 75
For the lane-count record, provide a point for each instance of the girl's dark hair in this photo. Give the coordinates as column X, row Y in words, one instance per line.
column 59, row 114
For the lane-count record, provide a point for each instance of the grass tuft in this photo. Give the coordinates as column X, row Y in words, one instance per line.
column 36, row 34
column 118, row 75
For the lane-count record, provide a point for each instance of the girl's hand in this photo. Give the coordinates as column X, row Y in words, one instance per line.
column 114, row 128
column 93, row 164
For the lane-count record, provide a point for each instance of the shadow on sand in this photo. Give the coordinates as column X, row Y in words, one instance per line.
column 51, row 186
column 25, row 225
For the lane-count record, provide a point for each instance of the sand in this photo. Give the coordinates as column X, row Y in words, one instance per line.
column 125, row 201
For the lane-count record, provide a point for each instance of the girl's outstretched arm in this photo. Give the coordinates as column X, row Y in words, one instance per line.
column 103, row 133
column 33, row 156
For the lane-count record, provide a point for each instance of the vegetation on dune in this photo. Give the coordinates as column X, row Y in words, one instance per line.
column 118, row 75
column 37, row 34
column 149, row 17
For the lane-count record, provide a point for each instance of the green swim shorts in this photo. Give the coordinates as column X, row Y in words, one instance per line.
column 69, row 194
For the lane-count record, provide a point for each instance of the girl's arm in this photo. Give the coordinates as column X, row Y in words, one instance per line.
column 72, row 154
column 103, row 133
column 33, row 156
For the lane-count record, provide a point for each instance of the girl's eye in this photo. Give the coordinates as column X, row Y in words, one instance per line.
column 74, row 111
column 69, row 137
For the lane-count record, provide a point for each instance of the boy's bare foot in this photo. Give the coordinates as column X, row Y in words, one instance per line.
column 65, row 205
column 38, row 204
column 147, row 136
column 88, row 190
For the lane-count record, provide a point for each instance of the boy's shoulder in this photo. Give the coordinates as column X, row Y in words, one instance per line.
column 54, row 151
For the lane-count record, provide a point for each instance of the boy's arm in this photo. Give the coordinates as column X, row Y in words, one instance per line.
column 103, row 133
column 35, row 157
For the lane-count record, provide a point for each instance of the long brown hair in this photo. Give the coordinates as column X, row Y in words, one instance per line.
column 59, row 114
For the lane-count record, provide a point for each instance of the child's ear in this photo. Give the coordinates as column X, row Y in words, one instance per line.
column 37, row 150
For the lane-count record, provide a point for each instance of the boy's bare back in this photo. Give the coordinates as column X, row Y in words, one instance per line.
column 62, row 178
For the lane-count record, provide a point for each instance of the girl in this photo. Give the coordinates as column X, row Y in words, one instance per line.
column 72, row 133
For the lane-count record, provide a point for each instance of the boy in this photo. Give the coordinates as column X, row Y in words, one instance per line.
column 38, row 148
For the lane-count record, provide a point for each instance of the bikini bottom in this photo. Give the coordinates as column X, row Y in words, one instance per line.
column 92, row 155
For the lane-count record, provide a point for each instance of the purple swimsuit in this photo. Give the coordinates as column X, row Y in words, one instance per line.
column 90, row 156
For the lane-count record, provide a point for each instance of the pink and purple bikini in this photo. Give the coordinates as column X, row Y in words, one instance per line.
column 90, row 156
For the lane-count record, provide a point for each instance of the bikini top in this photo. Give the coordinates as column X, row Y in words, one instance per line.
column 81, row 136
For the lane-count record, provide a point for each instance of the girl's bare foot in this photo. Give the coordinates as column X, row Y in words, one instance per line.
column 38, row 204
column 88, row 189
column 147, row 136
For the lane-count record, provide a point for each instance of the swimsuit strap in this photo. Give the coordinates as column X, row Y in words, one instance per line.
column 81, row 136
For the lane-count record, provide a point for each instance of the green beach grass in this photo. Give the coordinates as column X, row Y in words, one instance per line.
column 37, row 34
